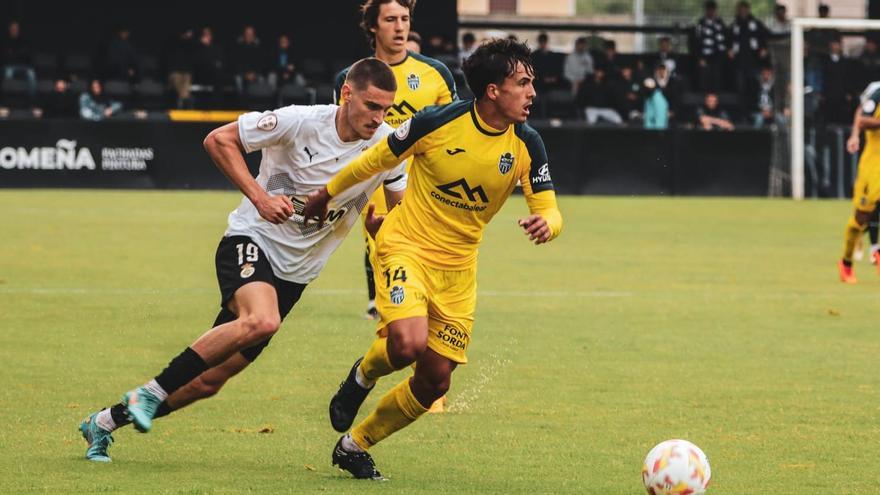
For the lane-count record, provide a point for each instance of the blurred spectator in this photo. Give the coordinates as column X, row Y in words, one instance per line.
column 578, row 64
column 710, row 49
column 666, row 56
column 628, row 94
column 839, row 82
column 748, row 45
column 121, row 57
column 468, row 45
column 762, row 100
column 60, row 103
column 710, row 116
column 209, row 62
column 598, row 99
column 248, row 58
column 669, row 85
column 283, row 67
column 820, row 39
column 869, row 62
column 179, row 63
column 94, row 104
column 438, row 46
column 16, row 57
column 414, row 42
column 780, row 24
column 609, row 60
column 548, row 66
column 656, row 108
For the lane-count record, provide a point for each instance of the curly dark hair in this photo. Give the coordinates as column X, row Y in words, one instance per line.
column 494, row 61
column 370, row 15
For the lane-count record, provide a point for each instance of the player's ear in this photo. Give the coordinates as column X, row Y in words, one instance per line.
column 492, row 91
column 346, row 92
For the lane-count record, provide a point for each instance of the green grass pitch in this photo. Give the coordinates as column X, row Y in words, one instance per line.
column 716, row 320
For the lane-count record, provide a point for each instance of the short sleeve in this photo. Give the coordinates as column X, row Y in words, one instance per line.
column 869, row 103
column 396, row 178
column 259, row 130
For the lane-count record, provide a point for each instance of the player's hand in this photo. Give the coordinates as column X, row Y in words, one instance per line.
column 852, row 145
column 275, row 209
column 536, row 228
column 373, row 222
column 316, row 207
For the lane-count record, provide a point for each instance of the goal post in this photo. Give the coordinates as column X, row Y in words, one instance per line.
column 798, row 26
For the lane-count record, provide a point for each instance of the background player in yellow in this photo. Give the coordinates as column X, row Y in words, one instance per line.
column 421, row 81
column 467, row 158
column 866, row 190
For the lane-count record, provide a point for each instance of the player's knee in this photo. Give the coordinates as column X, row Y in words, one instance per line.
column 260, row 327
column 433, row 385
column 404, row 350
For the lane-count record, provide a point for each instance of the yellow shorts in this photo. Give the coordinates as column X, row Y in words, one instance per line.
column 406, row 288
column 866, row 190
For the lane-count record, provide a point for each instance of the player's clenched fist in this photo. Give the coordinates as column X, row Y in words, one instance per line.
column 536, row 228
column 316, row 207
column 275, row 209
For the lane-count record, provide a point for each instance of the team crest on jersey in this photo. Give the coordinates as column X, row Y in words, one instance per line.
column 413, row 82
column 268, row 122
column 397, row 294
column 505, row 163
column 247, row 270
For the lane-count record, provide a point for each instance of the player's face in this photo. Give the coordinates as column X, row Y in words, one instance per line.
column 514, row 96
column 366, row 108
column 392, row 27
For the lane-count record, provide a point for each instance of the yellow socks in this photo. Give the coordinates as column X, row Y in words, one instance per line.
column 395, row 411
column 376, row 363
column 850, row 235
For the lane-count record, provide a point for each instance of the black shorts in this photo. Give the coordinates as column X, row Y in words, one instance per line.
column 240, row 261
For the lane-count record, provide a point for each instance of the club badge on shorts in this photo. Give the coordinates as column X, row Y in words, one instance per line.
column 397, row 294
column 505, row 163
column 247, row 270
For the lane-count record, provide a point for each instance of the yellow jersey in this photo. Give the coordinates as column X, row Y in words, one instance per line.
column 421, row 82
column 870, row 107
column 462, row 171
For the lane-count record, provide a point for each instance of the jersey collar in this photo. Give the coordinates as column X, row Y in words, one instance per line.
column 483, row 126
column 405, row 58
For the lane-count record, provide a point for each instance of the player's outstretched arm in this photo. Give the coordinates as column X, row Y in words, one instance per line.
column 226, row 150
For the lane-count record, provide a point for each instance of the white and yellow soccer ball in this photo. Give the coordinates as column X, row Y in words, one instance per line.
column 676, row 467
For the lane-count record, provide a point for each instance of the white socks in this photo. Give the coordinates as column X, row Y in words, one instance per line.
column 105, row 420
column 350, row 445
column 155, row 389
column 362, row 379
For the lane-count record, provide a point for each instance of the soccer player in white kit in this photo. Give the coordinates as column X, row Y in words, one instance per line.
column 268, row 254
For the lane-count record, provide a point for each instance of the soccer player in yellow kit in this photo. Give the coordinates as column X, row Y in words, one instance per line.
column 421, row 81
column 467, row 158
column 866, row 190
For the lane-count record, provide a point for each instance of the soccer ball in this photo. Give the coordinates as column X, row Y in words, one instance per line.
column 676, row 467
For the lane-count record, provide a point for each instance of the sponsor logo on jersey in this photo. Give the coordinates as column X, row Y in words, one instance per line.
column 267, row 122
column 247, row 270
column 461, row 185
column 403, row 131
column 455, row 151
column 413, row 82
column 397, row 294
column 401, row 109
column 505, row 163
column 309, row 152
column 543, row 175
